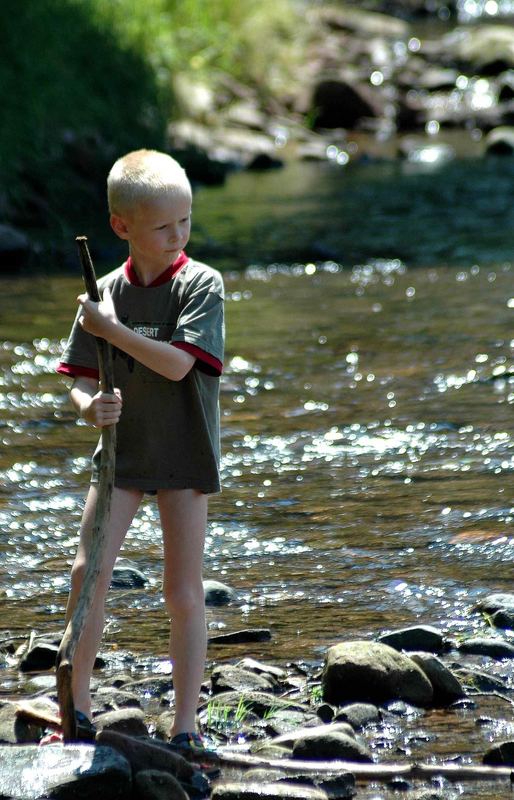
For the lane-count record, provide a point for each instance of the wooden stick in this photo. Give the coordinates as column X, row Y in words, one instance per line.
column 78, row 619
column 362, row 771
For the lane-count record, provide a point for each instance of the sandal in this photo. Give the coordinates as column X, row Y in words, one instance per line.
column 86, row 731
column 192, row 747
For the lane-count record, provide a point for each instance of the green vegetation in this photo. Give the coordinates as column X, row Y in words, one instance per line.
column 86, row 80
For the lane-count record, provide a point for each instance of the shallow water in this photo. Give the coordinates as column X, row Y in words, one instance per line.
column 367, row 459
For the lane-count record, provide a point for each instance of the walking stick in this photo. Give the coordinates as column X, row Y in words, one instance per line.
column 76, row 624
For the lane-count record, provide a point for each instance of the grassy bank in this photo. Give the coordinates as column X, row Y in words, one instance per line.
column 86, row 80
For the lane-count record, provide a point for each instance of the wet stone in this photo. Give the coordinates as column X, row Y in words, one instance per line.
column 358, row 715
column 495, row 602
column 40, row 657
column 494, row 648
column 241, row 637
column 503, row 619
column 500, row 754
column 447, row 687
column 157, row 785
column 126, row 576
column 266, row 791
column 130, row 721
column 419, row 637
column 331, row 745
column 226, row 677
column 372, row 671
column 70, row 772
column 218, row 594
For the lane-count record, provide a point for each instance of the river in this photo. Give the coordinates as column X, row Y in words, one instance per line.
column 366, row 411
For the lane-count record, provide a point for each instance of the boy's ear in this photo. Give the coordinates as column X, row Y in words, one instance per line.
column 119, row 226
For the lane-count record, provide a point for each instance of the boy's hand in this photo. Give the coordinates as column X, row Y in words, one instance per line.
column 98, row 318
column 102, row 409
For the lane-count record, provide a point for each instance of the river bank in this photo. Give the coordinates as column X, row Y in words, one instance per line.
column 398, row 82
column 353, row 724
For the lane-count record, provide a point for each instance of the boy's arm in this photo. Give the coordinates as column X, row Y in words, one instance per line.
column 94, row 406
column 100, row 319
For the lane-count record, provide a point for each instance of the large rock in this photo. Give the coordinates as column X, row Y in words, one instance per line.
column 70, row 772
column 374, row 672
column 495, row 602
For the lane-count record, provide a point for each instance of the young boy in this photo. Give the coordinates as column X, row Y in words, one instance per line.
column 163, row 314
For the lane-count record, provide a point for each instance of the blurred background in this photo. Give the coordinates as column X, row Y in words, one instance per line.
column 339, row 130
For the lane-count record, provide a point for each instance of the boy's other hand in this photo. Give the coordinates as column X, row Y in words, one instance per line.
column 103, row 409
column 97, row 318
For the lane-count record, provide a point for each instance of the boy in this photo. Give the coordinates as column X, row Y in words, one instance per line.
column 163, row 314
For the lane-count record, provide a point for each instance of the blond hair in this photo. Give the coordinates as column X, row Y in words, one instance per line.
column 144, row 175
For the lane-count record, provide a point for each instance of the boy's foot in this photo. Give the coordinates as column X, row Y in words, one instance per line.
column 86, row 731
column 192, row 747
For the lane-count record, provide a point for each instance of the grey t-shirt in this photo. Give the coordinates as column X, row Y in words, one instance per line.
column 168, row 432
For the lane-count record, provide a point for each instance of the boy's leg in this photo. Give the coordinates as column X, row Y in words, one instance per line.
column 124, row 504
column 183, row 515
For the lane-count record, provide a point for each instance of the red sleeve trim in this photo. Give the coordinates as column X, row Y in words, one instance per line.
column 208, row 364
column 77, row 372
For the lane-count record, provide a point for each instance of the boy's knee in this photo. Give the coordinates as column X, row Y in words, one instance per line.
column 183, row 601
column 78, row 574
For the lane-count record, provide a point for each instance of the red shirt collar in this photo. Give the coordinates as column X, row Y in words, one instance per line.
column 164, row 277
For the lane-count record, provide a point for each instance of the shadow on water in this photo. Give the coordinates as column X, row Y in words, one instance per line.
column 453, row 213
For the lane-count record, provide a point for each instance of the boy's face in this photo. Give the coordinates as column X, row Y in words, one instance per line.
column 157, row 230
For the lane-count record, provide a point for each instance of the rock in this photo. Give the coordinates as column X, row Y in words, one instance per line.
column 242, row 636
column 330, row 745
column 501, row 754
column 41, row 656
column 126, row 576
column 503, row 619
column 371, row 671
column 26, row 732
column 232, row 790
column 217, row 593
column 500, row 142
column 325, row 712
column 227, row 678
column 447, row 687
column 499, row 601
column 109, row 699
column 419, row 637
column 130, row 721
column 284, row 720
column 153, row 685
column 337, row 103
column 156, row 785
column 144, row 754
column 481, row 681
column 261, row 703
column 365, row 23
column 487, row 49
column 484, row 646
column 262, row 669
column 319, row 730
column 264, row 161
column 358, row 715
column 64, row 772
